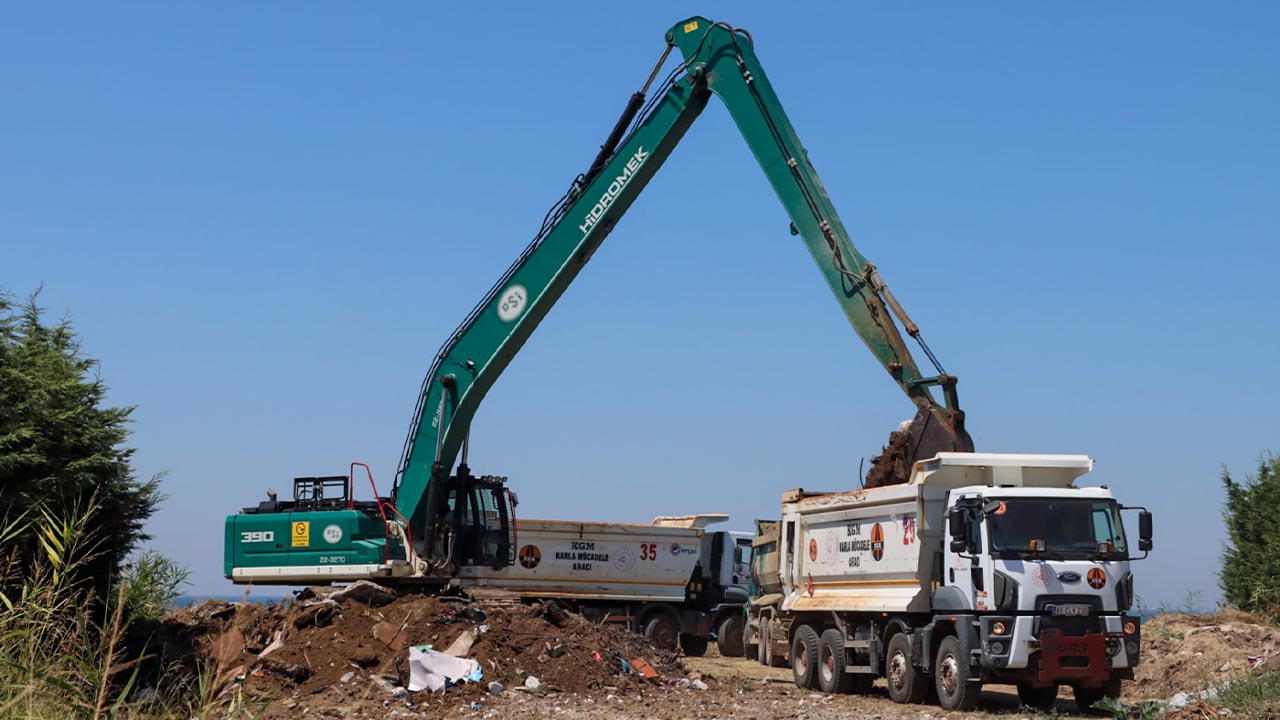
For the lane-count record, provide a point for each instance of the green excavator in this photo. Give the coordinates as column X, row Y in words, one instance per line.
column 439, row 516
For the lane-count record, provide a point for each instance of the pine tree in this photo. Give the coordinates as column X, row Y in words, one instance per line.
column 1250, row 575
column 60, row 444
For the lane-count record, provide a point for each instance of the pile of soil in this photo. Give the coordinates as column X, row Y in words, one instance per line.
column 323, row 654
column 1189, row 653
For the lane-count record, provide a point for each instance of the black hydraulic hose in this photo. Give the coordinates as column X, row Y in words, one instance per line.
column 610, row 145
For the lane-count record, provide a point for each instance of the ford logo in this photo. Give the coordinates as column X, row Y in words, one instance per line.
column 1069, row 577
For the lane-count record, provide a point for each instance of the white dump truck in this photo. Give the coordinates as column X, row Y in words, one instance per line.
column 671, row 580
column 982, row 568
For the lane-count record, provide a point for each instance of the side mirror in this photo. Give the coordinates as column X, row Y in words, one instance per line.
column 957, row 525
column 1144, row 531
column 958, row 528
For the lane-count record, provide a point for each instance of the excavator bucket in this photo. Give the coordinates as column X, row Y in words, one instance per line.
column 933, row 430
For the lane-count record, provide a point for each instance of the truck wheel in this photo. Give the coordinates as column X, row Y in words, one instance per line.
column 1040, row 698
column 804, row 656
column 661, row 630
column 956, row 690
column 906, row 683
column 832, row 661
column 760, row 645
column 730, row 639
column 694, row 646
column 1087, row 697
column 771, row 658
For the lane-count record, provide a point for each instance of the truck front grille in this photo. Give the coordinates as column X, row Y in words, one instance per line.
column 1069, row 626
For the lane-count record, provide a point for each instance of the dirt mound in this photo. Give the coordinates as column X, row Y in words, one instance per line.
column 1188, row 653
column 322, row 653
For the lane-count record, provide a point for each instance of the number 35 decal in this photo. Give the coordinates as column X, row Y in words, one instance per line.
column 648, row 551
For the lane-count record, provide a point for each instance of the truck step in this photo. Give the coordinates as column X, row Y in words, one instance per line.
column 860, row 669
column 859, row 644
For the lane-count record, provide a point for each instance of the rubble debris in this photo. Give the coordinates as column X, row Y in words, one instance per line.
column 393, row 636
column 318, row 613
column 296, row 673
column 362, row 591
column 226, row 648
column 362, row 653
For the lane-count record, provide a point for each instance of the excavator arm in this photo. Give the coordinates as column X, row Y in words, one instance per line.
column 716, row 59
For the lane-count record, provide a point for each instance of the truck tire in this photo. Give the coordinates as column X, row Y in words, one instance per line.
column 662, row 630
column 1040, row 698
column 906, row 683
column 804, row 656
column 730, row 638
column 1087, row 697
column 694, row 646
column 771, row 658
column 956, row 689
column 832, row 661
column 760, row 646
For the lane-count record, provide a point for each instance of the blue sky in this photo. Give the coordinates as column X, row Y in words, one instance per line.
column 265, row 219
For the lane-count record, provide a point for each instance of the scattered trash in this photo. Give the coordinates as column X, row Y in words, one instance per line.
column 462, row 646
column 645, row 669
column 699, row 685
column 554, row 651
column 429, row 669
column 532, row 683
column 597, row 657
column 347, row 678
column 496, row 688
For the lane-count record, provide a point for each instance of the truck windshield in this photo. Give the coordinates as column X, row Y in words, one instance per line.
column 1066, row 525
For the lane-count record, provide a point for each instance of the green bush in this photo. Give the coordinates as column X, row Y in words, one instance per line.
column 1250, row 575
column 149, row 584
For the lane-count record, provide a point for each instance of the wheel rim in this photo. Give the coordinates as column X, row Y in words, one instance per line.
column 949, row 671
column 828, row 665
column 898, row 670
column 802, row 660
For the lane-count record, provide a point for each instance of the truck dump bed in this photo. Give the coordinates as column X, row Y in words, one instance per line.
column 879, row 550
column 599, row 561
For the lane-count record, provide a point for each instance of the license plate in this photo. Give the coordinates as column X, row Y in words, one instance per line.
column 1069, row 610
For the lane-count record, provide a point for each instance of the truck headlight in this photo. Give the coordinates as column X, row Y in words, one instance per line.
column 1130, row 627
column 998, row 628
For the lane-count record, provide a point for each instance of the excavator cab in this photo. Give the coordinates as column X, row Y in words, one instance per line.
column 484, row 522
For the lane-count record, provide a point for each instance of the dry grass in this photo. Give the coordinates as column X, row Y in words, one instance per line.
column 59, row 661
